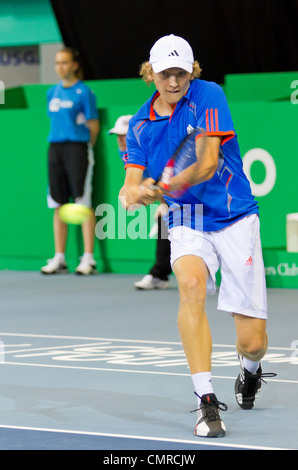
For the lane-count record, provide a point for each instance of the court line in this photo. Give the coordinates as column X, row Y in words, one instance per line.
column 176, row 374
column 148, row 438
column 51, row 348
column 277, row 348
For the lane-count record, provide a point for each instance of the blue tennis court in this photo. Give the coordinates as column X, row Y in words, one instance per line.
column 92, row 364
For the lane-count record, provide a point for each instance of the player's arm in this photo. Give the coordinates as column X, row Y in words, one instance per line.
column 94, row 127
column 136, row 190
column 130, row 192
column 203, row 169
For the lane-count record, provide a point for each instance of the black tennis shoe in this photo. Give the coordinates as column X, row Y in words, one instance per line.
column 209, row 423
column 248, row 386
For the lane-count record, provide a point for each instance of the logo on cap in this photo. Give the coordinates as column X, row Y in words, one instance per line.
column 174, row 53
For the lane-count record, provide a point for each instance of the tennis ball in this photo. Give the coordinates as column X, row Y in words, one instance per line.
column 74, row 213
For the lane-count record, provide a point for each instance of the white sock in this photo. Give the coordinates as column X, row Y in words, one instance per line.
column 87, row 255
column 251, row 366
column 202, row 384
column 60, row 256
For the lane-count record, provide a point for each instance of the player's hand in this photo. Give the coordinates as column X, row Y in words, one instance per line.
column 149, row 193
column 128, row 196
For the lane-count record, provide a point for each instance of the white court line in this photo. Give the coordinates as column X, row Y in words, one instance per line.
column 54, row 348
column 148, row 438
column 29, row 335
column 56, row 366
column 102, row 369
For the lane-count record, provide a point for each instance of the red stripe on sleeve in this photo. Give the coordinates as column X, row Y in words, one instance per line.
column 216, row 119
column 211, row 120
column 207, row 120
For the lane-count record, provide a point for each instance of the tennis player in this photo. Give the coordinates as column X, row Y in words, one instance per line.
column 228, row 235
column 73, row 133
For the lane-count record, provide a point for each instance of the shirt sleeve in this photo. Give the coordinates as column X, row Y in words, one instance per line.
column 215, row 115
column 90, row 110
column 123, row 155
column 49, row 94
column 136, row 156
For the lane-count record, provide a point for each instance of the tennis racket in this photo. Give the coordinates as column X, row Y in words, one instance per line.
column 190, row 151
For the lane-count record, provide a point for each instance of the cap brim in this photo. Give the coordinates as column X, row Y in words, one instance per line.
column 117, row 131
column 170, row 63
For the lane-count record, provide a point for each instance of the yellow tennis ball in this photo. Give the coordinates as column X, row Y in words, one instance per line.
column 74, row 213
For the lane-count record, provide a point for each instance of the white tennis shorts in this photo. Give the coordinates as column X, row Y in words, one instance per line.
column 237, row 251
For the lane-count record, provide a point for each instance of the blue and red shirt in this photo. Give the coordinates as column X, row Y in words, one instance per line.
column 152, row 140
column 68, row 109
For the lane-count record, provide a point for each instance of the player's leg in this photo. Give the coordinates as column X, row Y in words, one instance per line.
column 194, row 281
column 192, row 275
column 57, row 264
column 88, row 229
column 252, row 342
column 251, row 337
column 58, row 195
column 60, row 232
column 243, row 294
column 87, row 264
column 79, row 164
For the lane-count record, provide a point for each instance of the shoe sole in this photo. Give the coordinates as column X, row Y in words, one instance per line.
column 202, row 429
column 215, row 433
column 62, row 271
column 143, row 288
column 212, row 434
column 151, row 288
column 79, row 273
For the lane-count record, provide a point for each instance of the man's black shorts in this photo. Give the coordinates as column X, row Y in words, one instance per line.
column 69, row 171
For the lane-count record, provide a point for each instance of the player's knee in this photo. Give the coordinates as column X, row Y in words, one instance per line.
column 254, row 349
column 192, row 288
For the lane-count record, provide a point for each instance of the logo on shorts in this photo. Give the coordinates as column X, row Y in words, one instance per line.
column 249, row 261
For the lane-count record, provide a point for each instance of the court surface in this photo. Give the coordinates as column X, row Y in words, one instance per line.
column 89, row 363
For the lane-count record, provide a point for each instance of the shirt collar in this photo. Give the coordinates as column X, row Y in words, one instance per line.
column 152, row 114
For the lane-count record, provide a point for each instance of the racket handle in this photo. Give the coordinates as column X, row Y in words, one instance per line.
column 163, row 182
column 160, row 185
column 167, row 175
column 165, row 186
column 154, row 187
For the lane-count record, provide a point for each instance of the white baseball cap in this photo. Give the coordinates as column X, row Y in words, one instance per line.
column 121, row 125
column 171, row 51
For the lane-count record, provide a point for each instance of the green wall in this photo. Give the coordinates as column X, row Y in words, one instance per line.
column 272, row 127
column 26, row 239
